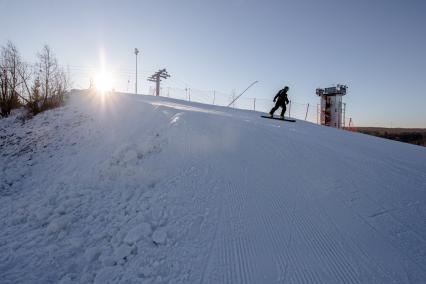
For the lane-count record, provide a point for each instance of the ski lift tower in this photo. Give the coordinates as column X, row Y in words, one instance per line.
column 331, row 105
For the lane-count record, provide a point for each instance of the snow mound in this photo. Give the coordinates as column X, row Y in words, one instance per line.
column 135, row 234
column 140, row 189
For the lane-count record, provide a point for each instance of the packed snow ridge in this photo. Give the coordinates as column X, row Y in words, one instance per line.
column 139, row 189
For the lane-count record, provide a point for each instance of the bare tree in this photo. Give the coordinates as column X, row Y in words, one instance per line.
column 10, row 62
column 52, row 79
column 40, row 87
column 25, row 75
column 48, row 67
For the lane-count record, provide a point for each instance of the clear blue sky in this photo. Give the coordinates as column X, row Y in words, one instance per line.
column 376, row 47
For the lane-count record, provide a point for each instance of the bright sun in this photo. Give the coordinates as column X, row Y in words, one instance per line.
column 103, row 81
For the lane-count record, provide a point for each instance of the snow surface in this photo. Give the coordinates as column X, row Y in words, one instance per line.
column 139, row 189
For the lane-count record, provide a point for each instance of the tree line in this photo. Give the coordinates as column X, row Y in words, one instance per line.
column 37, row 87
column 412, row 136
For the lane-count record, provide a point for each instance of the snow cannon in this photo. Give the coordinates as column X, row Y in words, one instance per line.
column 332, row 111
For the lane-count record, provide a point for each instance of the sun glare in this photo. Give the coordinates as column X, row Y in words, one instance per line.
column 103, row 81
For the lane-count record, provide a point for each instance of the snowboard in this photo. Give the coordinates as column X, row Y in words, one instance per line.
column 279, row 118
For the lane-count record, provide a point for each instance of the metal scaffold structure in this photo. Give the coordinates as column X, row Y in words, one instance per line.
column 332, row 110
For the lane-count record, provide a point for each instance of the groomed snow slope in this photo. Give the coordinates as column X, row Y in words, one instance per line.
column 138, row 189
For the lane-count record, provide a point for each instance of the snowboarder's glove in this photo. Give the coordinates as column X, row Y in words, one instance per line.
column 274, row 100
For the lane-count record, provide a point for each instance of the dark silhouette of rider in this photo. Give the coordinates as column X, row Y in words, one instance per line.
column 280, row 100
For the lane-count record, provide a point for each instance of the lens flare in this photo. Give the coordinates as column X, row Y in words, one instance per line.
column 103, row 79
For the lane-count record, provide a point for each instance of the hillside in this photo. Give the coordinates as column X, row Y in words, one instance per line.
column 131, row 189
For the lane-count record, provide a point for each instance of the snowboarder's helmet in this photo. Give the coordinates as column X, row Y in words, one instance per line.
column 286, row 88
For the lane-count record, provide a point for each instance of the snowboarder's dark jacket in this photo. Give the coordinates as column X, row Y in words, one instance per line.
column 282, row 97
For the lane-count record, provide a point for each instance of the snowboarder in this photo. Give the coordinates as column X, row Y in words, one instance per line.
column 280, row 100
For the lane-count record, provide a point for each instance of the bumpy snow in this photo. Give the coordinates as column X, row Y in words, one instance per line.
column 138, row 189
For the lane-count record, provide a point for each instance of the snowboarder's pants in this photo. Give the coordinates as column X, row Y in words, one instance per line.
column 277, row 105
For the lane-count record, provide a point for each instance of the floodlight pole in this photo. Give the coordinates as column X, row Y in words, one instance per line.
column 136, row 71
